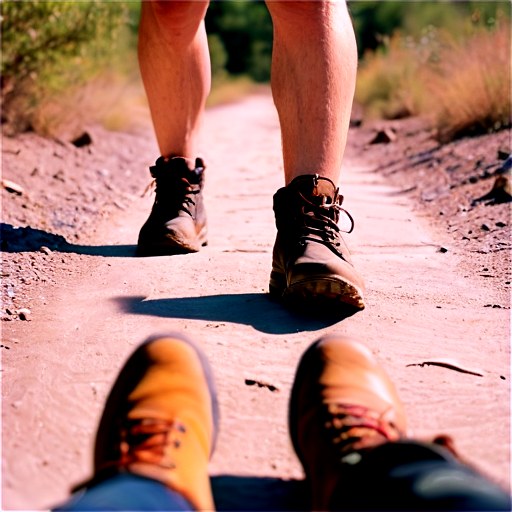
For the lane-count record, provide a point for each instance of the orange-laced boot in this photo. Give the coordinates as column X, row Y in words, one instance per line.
column 342, row 405
column 161, row 419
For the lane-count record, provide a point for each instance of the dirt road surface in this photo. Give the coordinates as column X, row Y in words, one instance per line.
column 421, row 307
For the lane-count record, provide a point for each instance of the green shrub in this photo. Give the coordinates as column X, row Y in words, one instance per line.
column 51, row 46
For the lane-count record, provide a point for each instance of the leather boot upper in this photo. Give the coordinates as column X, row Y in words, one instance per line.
column 178, row 217
column 160, row 420
column 342, row 405
column 310, row 252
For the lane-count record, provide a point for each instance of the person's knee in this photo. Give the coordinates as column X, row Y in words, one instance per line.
column 306, row 13
column 177, row 18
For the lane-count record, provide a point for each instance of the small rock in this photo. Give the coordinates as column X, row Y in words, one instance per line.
column 45, row 250
column 82, row 140
column 24, row 314
column 503, row 153
column 442, row 249
column 500, row 192
column 384, row 136
column 485, row 227
column 12, row 187
column 500, row 224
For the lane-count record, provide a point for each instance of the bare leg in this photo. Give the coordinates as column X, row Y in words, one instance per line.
column 175, row 68
column 313, row 79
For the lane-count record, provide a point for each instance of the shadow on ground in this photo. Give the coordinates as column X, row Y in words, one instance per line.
column 256, row 493
column 255, row 309
column 28, row 239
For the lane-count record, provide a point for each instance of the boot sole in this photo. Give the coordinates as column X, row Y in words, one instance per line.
column 170, row 245
column 316, row 289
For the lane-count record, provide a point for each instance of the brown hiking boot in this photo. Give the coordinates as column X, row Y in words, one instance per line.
column 342, row 405
column 310, row 258
column 177, row 223
column 161, row 420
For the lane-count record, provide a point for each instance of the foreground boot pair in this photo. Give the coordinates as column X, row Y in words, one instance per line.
column 161, row 418
column 310, row 258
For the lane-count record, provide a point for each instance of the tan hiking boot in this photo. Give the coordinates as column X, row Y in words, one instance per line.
column 310, row 258
column 177, row 223
column 342, row 405
column 161, row 420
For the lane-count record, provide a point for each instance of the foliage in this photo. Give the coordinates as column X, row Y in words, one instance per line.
column 411, row 53
column 375, row 22
column 461, row 83
column 470, row 87
column 245, row 30
column 50, row 46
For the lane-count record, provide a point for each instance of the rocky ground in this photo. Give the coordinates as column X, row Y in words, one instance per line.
column 54, row 194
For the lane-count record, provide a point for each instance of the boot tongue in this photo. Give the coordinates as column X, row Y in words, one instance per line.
column 174, row 169
column 323, row 191
column 315, row 189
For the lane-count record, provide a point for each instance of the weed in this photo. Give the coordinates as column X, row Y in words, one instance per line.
column 461, row 85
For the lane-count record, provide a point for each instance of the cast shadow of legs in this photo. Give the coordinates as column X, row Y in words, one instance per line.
column 255, row 309
column 28, row 239
column 257, row 493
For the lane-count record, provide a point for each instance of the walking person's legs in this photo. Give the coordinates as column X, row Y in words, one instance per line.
column 175, row 67
column 314, row 67
column 313, row 78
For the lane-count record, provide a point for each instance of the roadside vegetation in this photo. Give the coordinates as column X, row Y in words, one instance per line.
column 52, row 54
column 68, row 63
column 457, row 78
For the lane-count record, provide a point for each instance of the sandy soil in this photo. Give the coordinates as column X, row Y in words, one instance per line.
column 438, row 290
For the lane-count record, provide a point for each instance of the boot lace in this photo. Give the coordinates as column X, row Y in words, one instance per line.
column 320, row 221
column 148, row 440
column 353, row 428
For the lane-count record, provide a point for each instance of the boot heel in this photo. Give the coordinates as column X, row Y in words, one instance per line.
column 277, row 285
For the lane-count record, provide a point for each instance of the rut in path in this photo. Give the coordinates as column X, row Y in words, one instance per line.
column 419, row 309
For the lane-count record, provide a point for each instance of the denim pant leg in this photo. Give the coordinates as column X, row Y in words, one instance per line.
column 126, row 492
column 414, row 476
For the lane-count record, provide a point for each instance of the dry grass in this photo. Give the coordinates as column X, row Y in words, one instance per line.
column 462, row 87
column 470, row 89
column 113, row 100
column 387, row 82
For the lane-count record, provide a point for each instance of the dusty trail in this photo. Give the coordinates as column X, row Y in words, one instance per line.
column 419, row 308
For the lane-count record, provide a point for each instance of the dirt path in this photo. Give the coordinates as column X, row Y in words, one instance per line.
column 420, row 308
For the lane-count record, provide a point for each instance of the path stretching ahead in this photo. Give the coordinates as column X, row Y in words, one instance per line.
column 419, row 308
